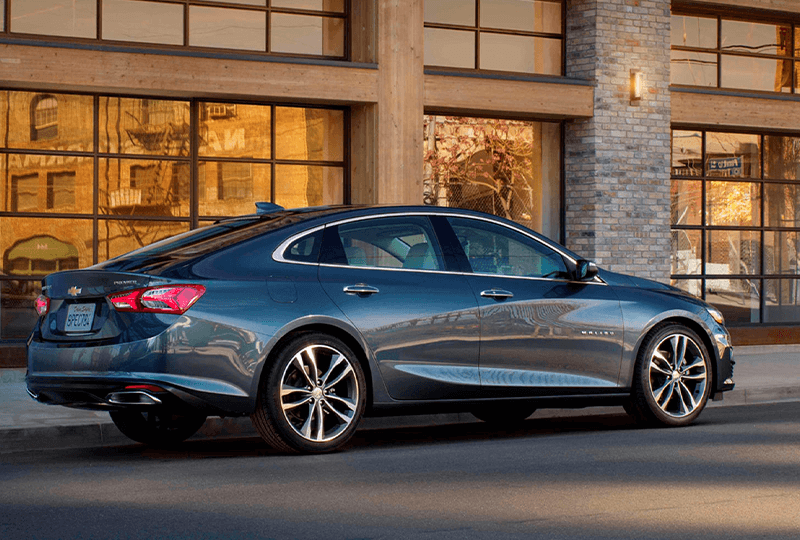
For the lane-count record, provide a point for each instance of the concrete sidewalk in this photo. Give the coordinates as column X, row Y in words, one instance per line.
column 762, row 374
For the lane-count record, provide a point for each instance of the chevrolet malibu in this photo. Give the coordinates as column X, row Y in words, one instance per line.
column 307, row 320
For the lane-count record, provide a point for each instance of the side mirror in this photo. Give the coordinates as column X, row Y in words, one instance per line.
column 585, row 270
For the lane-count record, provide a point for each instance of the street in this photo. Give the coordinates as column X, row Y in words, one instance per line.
column 733, row 474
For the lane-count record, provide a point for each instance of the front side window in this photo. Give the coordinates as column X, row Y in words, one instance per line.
column 495, row 250
column 523, row 36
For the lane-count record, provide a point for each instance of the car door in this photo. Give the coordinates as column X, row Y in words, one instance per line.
column 389, row 277
column 542, row 332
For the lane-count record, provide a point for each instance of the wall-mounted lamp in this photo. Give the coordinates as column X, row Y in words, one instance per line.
column 637, row 85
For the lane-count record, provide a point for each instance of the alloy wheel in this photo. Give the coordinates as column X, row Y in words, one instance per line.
column 678, row 375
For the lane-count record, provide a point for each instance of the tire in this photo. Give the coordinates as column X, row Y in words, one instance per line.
column 671, row 379
column 312, row 397
column 503, row 414
column 157, row 428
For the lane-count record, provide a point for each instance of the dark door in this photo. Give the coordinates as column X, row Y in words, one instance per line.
column 420, row 321
column 541, row 332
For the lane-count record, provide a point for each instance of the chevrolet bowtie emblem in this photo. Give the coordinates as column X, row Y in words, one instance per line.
column 74, row 291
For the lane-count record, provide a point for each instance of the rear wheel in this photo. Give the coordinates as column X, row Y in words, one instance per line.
column 157, row 428
column 313, row 397
column 672, row 378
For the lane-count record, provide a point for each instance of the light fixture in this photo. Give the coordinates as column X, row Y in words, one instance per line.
column 637, row 85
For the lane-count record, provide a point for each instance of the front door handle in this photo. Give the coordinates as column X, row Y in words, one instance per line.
column 497, row 294
column 361, row 289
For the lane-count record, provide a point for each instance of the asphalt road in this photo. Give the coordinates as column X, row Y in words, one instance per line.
column 733, row 474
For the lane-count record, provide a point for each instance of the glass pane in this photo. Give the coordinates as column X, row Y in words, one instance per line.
column 692, row 286
column 145, row 22
column 686, row 252
column 144, row 187
column 781, row 300
column 687, row 153
column 40, row 246
column 689, row 31
column 737, row 299
column 782, row 157
column 17, row 316
column 298, row 186
column 460, row 12
column 520, row 53
column 144, row 126
column 687, row 202
column 243, row 2
column 755, row 37
column 781, row 253
column 733, row 252
column 693, row 68
column 449, row 48
column 309, row 134
column 525, row 15
column 314, row 5
column 227, row 28
column 116, row 237
column 782, row 205
column 235, row 130
column 797, row 72
column 750, row 73
column 407, row 242
column 733, row 203
column 41, row 183
column 76, row 18
column 232, row 189
column 469, row 160
column 38, row 121
column 301, row 34
column 733, row 155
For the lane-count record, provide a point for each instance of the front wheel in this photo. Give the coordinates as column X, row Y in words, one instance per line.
column 672, row 377
column 157, row 428
column 313, row 397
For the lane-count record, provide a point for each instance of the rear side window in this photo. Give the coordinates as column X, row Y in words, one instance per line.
column 391, row 242
column 305, row 249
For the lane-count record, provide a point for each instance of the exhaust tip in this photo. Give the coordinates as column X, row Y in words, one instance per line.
column 132, row 397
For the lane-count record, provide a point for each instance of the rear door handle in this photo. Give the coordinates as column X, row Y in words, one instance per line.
column 361, row 289
column 497, row 294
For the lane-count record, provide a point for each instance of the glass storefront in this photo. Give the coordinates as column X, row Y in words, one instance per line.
column 305, row 28
column 509, row 168
column 735, row 222
column 719, row 52
column 86, row 178
column 524, row 36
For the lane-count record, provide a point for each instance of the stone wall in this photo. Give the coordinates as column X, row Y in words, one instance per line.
column 617, row 164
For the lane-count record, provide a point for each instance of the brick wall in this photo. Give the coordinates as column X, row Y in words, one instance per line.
column 617, row 163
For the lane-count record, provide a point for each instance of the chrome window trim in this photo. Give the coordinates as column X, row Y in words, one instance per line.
column 278, row 252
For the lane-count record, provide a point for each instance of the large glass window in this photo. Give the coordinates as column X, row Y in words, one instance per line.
column 304, row 27
column 70, row 202
column 524, row 36
column 509, row 168
column 720, row 52
column 736, row 222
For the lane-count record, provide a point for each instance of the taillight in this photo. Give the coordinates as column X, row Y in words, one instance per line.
column 172, row 299
column 42, row 305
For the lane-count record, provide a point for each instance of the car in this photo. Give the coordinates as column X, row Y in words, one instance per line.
column 309, row 319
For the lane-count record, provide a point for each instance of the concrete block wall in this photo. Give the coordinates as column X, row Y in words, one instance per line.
column 617, row 164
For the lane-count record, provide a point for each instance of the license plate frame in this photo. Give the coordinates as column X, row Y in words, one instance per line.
column 80, row 318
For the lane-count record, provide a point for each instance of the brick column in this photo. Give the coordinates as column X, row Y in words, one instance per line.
column 617, row 164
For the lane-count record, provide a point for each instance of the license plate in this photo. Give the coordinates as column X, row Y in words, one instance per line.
column 79, row 318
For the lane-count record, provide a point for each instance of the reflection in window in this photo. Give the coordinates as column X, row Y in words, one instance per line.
column 297, row 186
column 227, row 28
column 512, row 35
column 143, row 22
column 722, row 247
column 44, row 121
column 25, row 193
column 749, row 55
column 234, row 181
column 76, row 18
column 144, row 126
column 302, row 34
column 61, row 191
column 508, row 168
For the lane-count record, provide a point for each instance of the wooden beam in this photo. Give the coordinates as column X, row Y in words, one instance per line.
column 712, row 110
column 470, row 95
column 70, row 69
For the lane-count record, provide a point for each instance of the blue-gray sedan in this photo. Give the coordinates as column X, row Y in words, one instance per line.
column 307, row 320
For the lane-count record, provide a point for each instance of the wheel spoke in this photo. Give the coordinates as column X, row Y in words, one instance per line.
column 679, row 350
column 698, row 362
column 689, row 395
column 312, row 364
column 305, row 431
column 346, row 402
column 684, row 409
column 656, row 367
column 336, row 360
column 343, row 417
column 320, row 421
column 665, row 402
column 297, row 361
column 657, row 393
column 347, row 371
column 289, row 405
column 287, row 389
